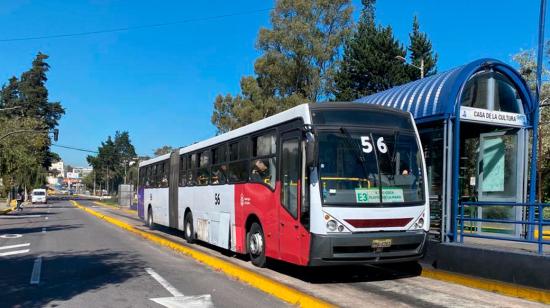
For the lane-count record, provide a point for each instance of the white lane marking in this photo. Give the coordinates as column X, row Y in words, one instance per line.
column 20, row 216
column 170, row 288
column 15, row 252
column 46, row 217
column 14, row 246
column 11, row 235
column 178, row 300
column 36, row 269
column 44, row 230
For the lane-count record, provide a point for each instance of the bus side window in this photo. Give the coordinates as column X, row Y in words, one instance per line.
column 160, row 174
column 183, row 170
column 154, row 176
column 219, row 166
column 192, row 170
column 166, row 174
column 263, row 166
column 238, row 167
column 204, row 168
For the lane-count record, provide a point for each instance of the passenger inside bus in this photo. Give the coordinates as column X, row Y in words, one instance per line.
column 219, row 176
column 260, row 172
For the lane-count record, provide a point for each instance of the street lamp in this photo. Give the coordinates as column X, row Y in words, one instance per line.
column 421, row 67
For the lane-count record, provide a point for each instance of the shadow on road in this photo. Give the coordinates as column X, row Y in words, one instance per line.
column 29, row 230
column 64, row 276
column 348, row 273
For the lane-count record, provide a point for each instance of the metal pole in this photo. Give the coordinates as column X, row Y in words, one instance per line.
column 533, row 169
column 421, row 68
column 456, row 170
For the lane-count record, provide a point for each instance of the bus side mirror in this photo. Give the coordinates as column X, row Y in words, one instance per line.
column 311, row 150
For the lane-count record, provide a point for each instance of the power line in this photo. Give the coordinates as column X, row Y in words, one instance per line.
column 73, row 148
column 87, row 33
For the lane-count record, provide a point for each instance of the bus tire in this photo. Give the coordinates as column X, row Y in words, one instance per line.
column 188, row 230
column 255, row 243
column 150, row 222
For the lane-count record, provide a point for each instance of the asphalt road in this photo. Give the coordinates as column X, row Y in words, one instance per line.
column 56, row 255
column 353, row 286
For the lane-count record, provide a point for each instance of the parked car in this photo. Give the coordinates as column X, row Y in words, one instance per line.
column 39, row 195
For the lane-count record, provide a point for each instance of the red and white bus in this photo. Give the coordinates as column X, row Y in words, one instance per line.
column 318, row 184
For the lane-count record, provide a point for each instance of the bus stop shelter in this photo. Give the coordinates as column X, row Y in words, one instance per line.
column 474, row 122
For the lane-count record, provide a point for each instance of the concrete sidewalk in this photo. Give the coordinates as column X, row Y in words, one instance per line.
column 6, row 208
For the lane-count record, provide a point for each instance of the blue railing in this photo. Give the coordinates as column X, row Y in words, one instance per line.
column 537, row 223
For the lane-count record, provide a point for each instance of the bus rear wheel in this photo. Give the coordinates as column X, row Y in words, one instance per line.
column 255, row 242
column 189, row 232
column 150, row 222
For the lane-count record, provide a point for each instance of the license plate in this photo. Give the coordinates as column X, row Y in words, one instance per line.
column 381, row 243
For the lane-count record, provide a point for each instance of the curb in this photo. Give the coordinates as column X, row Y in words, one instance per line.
column 508, row 289
column 133, row 212
column 256, row 280
column 6, row 211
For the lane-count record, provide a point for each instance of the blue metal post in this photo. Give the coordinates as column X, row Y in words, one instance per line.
column 533, row 169
column 541, row 237
column 456, row 168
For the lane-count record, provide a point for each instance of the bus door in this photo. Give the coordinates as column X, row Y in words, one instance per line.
column 289, row 211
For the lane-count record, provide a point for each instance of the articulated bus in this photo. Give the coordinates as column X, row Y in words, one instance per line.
column 318, row 184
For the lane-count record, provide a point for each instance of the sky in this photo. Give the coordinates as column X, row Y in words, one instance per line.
column 160, row 83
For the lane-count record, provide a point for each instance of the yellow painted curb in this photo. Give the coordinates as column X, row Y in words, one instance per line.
column 504, row 288
column 258, row 281
column 133, row 212
column 8, row 210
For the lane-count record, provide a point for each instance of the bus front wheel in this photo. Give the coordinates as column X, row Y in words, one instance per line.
column 189, row 232
column 256, row 245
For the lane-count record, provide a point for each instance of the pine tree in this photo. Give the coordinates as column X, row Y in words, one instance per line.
column 33, row 94
column 9, row 95
column 421, row 49
column 369, row 63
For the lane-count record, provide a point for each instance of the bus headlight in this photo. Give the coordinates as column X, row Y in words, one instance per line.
column 420, row 223
column 331, row 225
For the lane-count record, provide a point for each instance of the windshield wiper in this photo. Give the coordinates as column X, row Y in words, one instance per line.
column 394, row 155
column 357, row 149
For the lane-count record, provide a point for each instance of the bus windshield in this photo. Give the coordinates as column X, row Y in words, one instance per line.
column 370, row 166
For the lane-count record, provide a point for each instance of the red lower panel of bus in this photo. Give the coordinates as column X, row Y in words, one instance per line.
column 286, row 238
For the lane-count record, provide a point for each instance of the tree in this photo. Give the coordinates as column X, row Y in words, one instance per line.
column 165, row 149
column 527, row 68
column 421, row 49
column 33, row 94
column 369, row 63
column 20, row 165
column 34, row 112
column 112, row 162
column 297, row 62
column 9, row 97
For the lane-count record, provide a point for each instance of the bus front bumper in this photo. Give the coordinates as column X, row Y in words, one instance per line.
column 340, row 249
